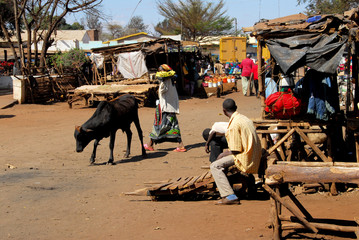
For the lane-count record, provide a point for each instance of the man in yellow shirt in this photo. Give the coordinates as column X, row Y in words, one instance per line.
column 244, row 151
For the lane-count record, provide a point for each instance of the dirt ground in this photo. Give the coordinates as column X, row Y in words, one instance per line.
column 51, row 192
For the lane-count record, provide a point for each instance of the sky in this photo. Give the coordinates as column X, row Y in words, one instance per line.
column 247, row 12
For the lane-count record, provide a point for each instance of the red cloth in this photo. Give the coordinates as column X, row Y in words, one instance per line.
column 247, row 65
column 255, row 72
column 283, row 105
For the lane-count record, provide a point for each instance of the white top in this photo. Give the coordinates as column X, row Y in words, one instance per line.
column 220, row 128
column 168, row 96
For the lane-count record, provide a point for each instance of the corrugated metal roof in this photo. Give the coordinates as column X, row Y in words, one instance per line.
column 124, row 37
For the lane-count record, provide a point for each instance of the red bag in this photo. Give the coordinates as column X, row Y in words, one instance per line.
column 283, row 105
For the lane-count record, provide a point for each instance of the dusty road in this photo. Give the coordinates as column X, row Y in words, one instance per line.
column 52, row 193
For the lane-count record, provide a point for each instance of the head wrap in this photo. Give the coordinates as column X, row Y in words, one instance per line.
column 164, row 67
column 165, row 71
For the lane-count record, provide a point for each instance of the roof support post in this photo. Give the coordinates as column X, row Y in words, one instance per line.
column 261, row 78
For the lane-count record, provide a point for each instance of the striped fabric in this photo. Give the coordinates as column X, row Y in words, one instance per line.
column 242, row 137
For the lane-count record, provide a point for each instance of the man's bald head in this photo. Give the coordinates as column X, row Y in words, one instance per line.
column 229, row 105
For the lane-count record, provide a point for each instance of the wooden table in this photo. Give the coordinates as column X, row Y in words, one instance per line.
column 222, row 89
column 91, row 93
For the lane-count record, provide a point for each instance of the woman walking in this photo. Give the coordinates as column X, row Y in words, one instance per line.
column 165, row 127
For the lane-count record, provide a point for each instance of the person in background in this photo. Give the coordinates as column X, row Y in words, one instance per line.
column 226, row 68
column 191, row 77
column 165, row 127
column 218, row 68
column 207, row 70
column 244, row 152
column 215, row 139
column 246, row 66
column 254, row 77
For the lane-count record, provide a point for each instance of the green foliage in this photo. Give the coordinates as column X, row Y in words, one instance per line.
column 195, row 18
column 114, row 30
column 63, row 25
column 71, row 60
column 328, row 6
column 136, row 25
column 168, row 27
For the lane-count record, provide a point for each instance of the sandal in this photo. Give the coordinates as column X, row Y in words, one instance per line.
column 180, row 149
column 147, row 147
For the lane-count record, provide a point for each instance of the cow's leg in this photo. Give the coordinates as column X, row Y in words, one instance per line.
column 129, row 140
column 112, row 145
column 140, row 135
column 93, row 155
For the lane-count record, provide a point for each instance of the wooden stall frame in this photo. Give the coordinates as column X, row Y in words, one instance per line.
column 276, row 184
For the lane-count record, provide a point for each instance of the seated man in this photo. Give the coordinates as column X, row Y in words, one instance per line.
column 215, row 139
column 244, row 151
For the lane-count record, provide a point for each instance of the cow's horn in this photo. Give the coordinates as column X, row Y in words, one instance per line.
column 88, row 130
column 78, row 128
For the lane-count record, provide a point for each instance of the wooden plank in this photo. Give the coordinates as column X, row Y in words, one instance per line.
column 290, row 208
column 200, row 179
column 170, row 185
column 357, row 229
column 282, row 140
column 158, row 186
column 277, row 224
column 280, row 154
column 139, row 192
column 323, row 226
column 312, row 145
column 319, row 164
column 185, row 182
column 209, row 175
column 179, row 183
column 289, row 173
column 203, row 183
column 357, row 146
column 299, row 205
column 156, row 182
column 261, row 131
column 261, row 76
column 190, row 183
column 207, row 188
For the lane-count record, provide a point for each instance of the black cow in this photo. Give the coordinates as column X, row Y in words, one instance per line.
column 107, row 119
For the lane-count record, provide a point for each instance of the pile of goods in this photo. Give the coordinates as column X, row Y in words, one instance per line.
column 217, row 80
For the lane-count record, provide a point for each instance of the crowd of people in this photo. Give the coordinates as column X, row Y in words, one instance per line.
column 197, row 70
column 232, row 143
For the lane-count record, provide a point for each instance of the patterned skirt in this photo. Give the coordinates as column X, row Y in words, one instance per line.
column 165, row 127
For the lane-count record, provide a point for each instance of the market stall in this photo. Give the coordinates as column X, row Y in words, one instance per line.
column 137, row 60
column 303, row 120
column 305, row 55
column 219, row 84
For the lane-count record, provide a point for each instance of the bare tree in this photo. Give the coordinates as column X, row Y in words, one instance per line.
column 115, row 30
column 7, row 24
column 136, row 25
column 34, row 13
